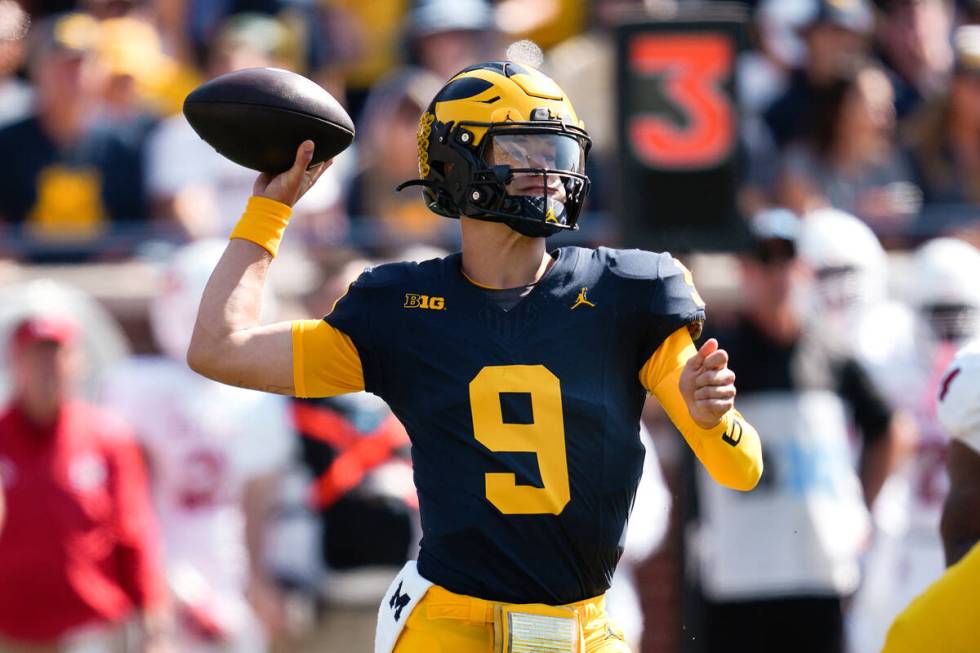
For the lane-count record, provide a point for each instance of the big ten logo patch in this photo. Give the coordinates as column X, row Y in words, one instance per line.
column 413, row 300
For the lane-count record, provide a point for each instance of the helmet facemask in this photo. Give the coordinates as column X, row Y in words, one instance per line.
column 952, row 322
column 529, row 175
column 538, row 183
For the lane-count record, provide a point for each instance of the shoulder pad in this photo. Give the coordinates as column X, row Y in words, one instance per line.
column 677, row 297
column 391, row 274
column 387, row 274
column 632, row 263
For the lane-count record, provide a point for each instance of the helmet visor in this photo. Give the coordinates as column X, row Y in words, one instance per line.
column 545, row 170
column 548, row 151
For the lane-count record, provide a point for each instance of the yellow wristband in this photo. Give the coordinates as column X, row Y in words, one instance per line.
column 263, row 223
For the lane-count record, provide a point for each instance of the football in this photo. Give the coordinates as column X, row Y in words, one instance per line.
column 257, row 117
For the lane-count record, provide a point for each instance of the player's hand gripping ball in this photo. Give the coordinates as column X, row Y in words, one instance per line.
column 707, row 385
column 258, row 117
column 291, row 185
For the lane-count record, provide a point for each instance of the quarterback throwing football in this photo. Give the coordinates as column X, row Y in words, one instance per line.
column 519, row 372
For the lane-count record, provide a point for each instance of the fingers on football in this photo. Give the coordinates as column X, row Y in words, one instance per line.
column 715, row 392
column 709, row 347
column 314, row 173
column 697, row 360
column 294, row 181
column 716, row 360
column 710, row 377
column 304, row 154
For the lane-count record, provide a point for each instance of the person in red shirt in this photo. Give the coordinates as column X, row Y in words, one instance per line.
column 78, row 549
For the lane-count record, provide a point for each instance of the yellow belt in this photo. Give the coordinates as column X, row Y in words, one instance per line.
column 440, row 603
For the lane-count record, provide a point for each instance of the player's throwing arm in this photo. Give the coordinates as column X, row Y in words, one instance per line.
column 228, row 344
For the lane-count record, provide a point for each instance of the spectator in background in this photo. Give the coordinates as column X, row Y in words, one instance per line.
column 143, row 79
column 913, row 37
column 777, row 563
column 837, row 32
column 365, row 42
column 216, row 454
column 78, row 554
column 74, row 176
column 202, row 21
column 388, row 155
column 202, row 192
column 445, row 36
column 15, row 94
column 945, row 139
column 546, row 22
column 129, row 49
column 195, row 24
column 846, row 157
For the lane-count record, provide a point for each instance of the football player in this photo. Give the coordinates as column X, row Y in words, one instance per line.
column 518, row 372
column 946, row 616
column 216, row 455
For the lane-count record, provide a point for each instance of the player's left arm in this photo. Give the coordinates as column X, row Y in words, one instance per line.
column 960, row 526
column 697, row 390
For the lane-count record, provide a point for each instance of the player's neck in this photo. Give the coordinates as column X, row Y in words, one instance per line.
column 496, row 256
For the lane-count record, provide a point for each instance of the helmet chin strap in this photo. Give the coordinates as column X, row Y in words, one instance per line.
column 554, row 216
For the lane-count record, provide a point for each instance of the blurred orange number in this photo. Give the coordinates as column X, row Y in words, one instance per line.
column 694, row 66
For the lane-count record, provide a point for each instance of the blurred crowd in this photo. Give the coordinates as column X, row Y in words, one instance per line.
column 258, row 523
column 868, row 108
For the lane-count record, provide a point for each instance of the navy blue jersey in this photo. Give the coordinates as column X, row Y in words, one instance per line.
column 524, row 423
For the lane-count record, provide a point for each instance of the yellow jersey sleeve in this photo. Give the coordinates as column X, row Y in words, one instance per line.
column 945, row 617
column 325, row 360
column 731, row 451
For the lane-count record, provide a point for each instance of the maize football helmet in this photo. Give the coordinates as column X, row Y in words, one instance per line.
column 501, row 142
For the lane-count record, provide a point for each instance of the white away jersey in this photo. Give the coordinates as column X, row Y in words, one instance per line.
column 203, row 440
column 958, row 397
